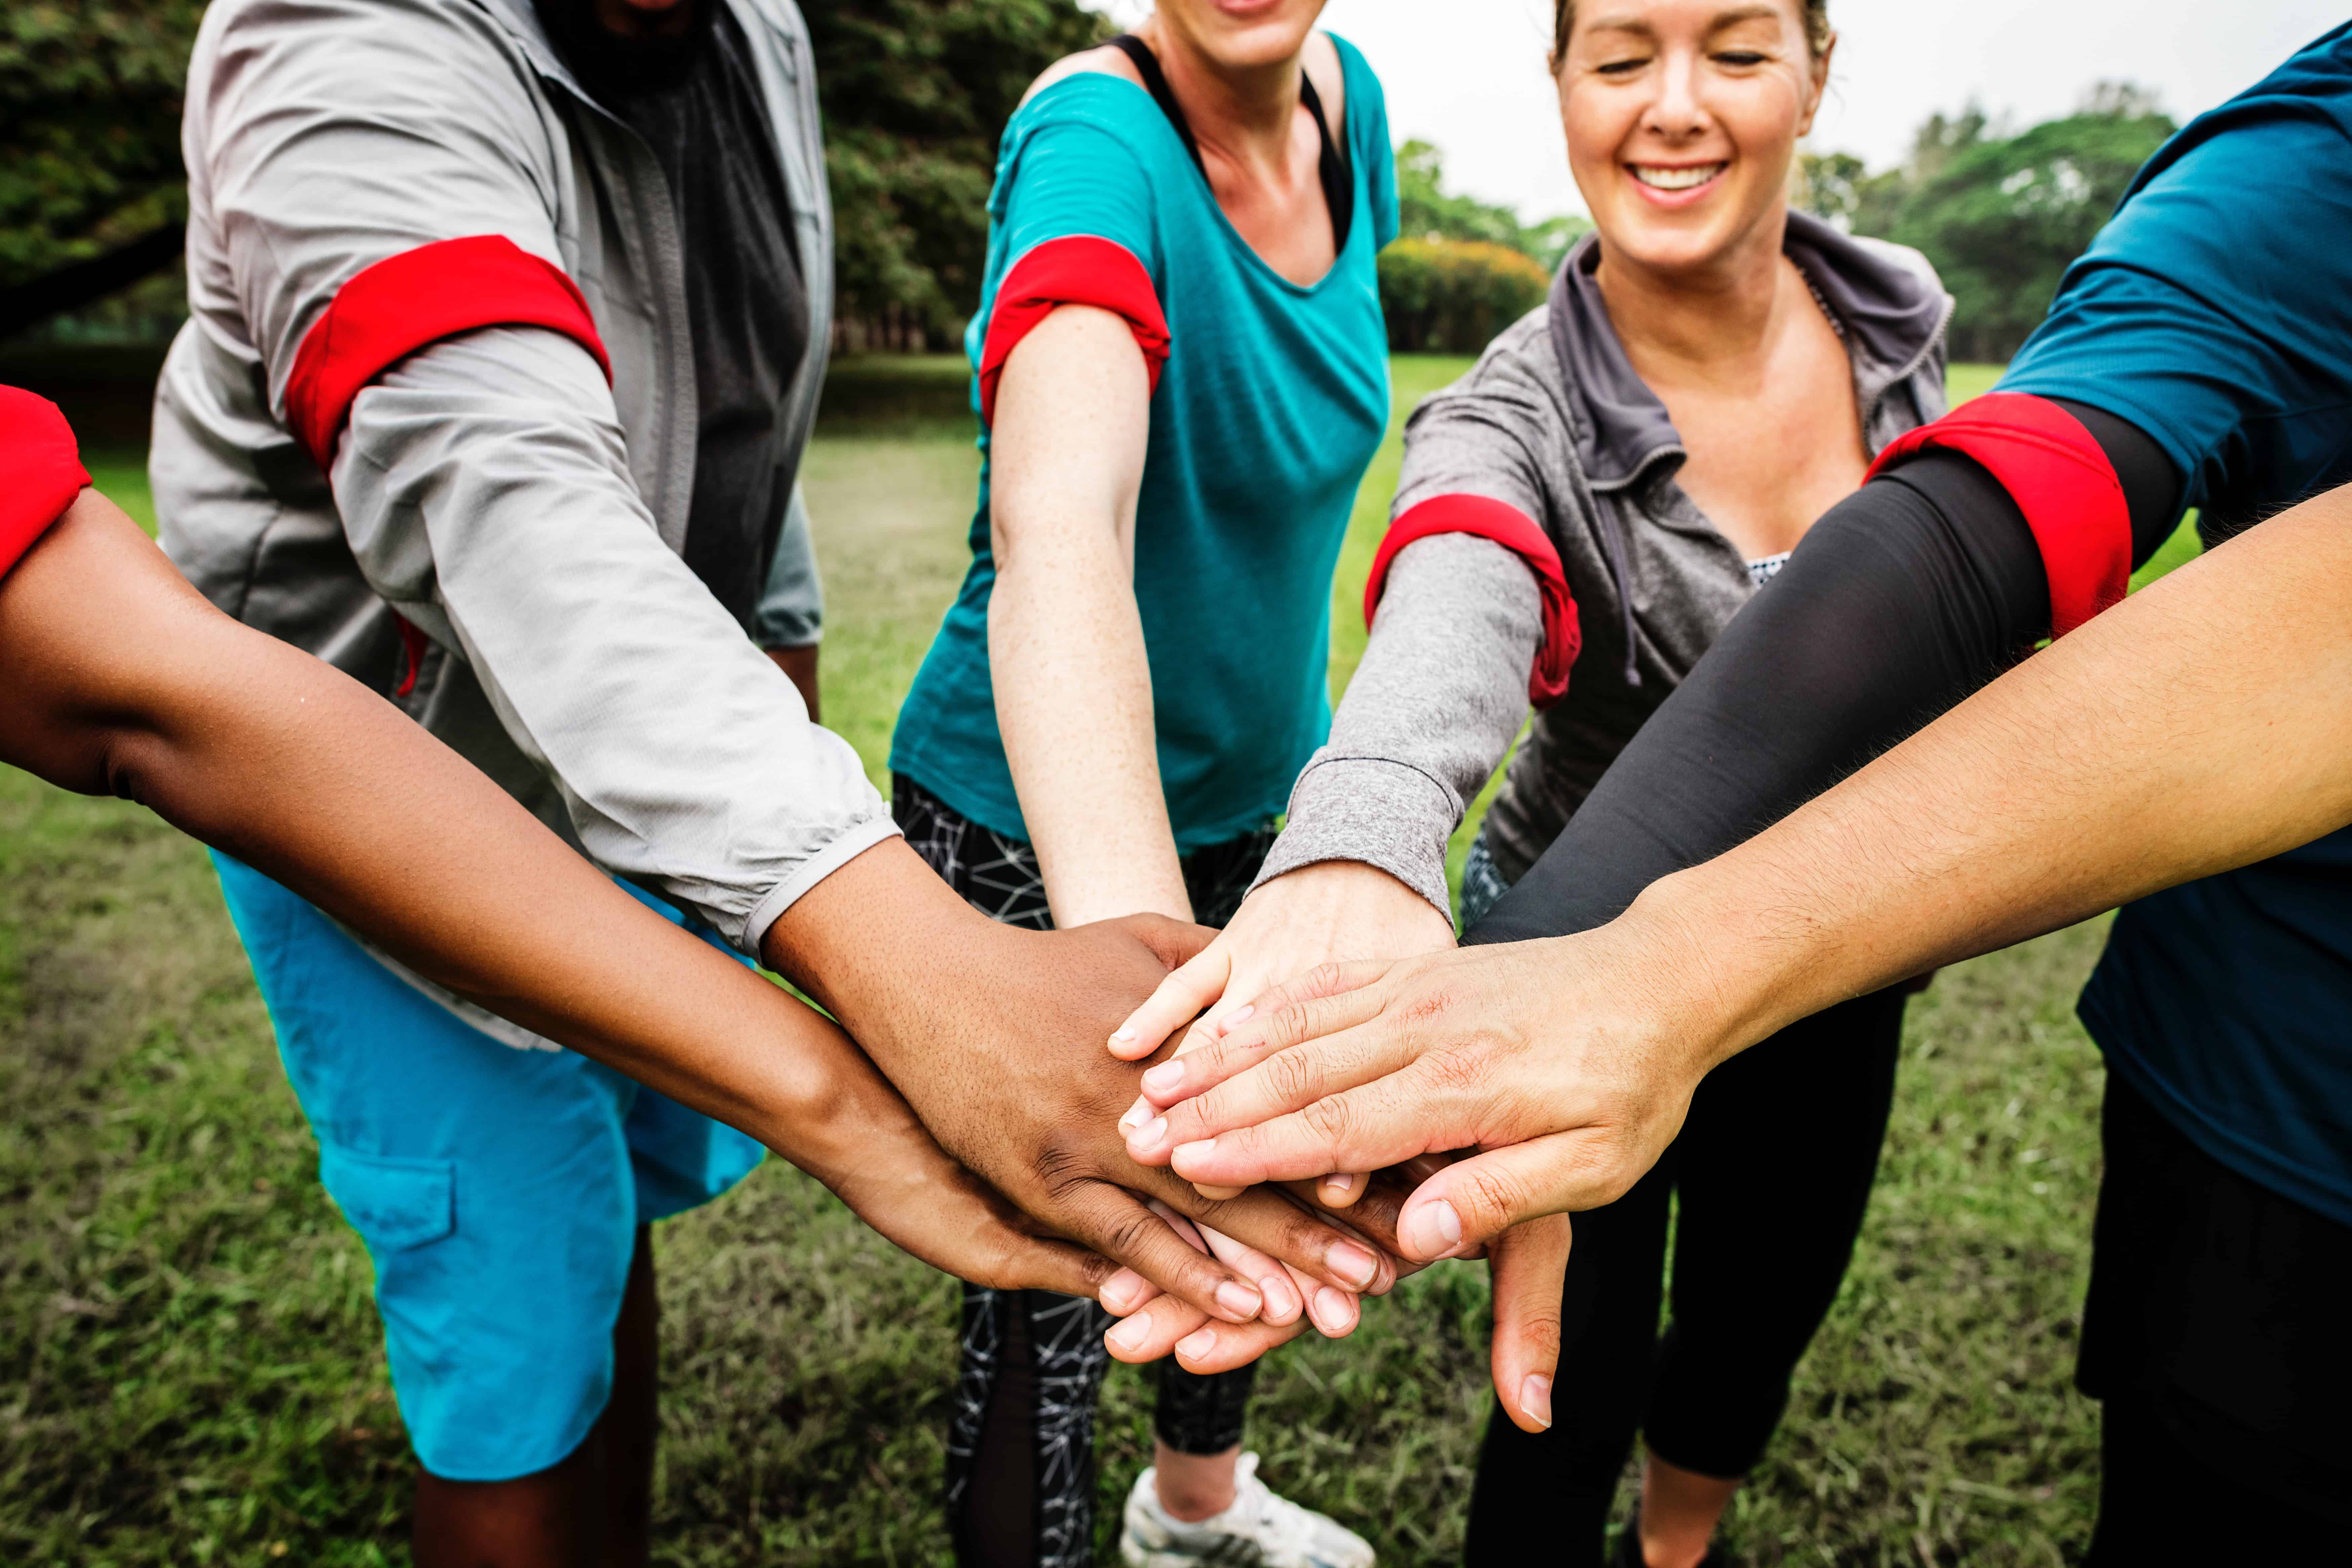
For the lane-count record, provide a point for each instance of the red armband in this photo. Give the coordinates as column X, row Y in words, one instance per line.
column 1518, row 532
column 40, row 472
column 409, row 301
column 1079, row 269
column 2060, row 478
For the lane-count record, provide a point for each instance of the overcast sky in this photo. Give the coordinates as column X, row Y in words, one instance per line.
column 1468, row 74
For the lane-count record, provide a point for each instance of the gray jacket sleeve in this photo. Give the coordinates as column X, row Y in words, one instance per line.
column 486, row 491
column 1433, row 708
column 791, row 612
column 484, row 482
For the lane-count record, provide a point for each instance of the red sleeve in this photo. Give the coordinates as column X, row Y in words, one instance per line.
column 40, row 472
column 1079, row 269
column 1518, row 532
column 406, row 302
column 2061, row 479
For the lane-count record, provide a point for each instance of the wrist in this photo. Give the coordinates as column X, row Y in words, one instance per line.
column 1704, row 972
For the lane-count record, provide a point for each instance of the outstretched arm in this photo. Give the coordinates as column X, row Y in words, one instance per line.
column 2197, row 727
column 121, row 678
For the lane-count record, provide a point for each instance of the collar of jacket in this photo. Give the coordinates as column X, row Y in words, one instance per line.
column 1889, row 316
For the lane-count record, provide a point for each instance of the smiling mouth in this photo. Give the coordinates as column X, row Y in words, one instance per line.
column 1659, row 177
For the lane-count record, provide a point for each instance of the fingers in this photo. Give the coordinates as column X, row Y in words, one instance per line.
column 1366, row 1127
column 1336, row 1191
column 1032, row 1263
column 1321, row 1248
column 1269, row 1029
column 1173, row 942
column 1530, row 1262
column 1182, row 997
column 1119, row 1225
column 1276, row 1284
column 1478, row 1198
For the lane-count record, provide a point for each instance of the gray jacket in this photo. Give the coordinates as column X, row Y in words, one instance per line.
column 492, row 490
column 1554, row 422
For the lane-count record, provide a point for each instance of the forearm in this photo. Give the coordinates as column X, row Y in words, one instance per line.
column 1894, row 607
column 2198, row 726
column 1065, row 649
column 124, row 680
column 1074, row 706
column 1431, row 710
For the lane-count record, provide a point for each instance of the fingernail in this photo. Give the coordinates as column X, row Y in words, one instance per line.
column 1435, row 1229
column 1149, row 1137
column 1351, row 1263
column 1535, row 1398
column 1129, row 1335
column 1135, row 1115
column 1234, row 1018
column 1189, row 1152
column 1124, row 1032
column 1239, row 1299
column 1335, row 1311
column 1282, row 1303
column 1164, row 1077
column 1196, row 1344
column 1120, row 1292
column 1339, row 1184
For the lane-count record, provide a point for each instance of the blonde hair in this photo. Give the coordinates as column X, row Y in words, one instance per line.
column 1816, row 14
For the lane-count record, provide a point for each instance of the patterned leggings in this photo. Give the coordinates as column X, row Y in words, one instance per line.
column 1021, row 1439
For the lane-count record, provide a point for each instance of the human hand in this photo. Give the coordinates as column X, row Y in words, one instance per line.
column 993, row 1036
column 1568, row 1063
column 866, row 1144
column 1318, row 914
column 1528, row 1264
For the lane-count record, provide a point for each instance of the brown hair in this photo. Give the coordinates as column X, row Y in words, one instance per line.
column 1817, row 27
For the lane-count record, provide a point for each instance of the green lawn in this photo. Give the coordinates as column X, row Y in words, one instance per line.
column 190, row 1370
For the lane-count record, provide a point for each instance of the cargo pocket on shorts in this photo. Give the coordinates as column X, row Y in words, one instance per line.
column 394, row 1204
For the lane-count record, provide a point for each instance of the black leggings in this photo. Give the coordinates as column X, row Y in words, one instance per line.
column 1769, row 1181
column 1021, row 1438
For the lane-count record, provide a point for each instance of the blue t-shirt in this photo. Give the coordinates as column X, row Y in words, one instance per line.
column 1272, row 401
column 2215, row 313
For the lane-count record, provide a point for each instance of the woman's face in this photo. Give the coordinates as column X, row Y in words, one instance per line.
column 1240, row 35
column 1682, row 118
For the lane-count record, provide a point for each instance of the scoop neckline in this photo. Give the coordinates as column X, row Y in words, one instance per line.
column 1199, row 180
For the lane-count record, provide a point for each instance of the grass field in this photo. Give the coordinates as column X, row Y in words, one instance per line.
column 190, row 1370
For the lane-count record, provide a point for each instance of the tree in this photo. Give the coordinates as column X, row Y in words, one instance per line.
column 916, row 94
column 1424, row 211
column 2000, row 216
column 89, row 117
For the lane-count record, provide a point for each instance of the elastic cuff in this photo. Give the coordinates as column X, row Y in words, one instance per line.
column 854, row 840
column 1373, row 810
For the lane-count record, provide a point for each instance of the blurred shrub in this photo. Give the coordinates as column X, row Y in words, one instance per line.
column 1452, row 296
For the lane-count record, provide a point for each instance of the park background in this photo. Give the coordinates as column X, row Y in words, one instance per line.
column 190, row 1369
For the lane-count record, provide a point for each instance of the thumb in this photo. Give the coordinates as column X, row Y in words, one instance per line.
column 1529, row 1263
column 1479, row 1198
column 1172, row 942
column 1180, row 998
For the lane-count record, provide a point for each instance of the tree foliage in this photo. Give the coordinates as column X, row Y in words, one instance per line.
column 90, row 128
column 1452, row 296
column 2000, row 216
column 916, row 93
column 1425, row 211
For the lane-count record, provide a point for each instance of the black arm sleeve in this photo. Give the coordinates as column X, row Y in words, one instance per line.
column 1904, row 599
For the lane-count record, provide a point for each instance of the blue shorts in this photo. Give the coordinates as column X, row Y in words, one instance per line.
column 498, row 1190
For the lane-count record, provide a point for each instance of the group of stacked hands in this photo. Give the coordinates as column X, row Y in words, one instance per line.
column 975, row 1093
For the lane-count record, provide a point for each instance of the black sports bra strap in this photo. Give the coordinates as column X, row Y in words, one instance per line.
column 1155, row 82
column 1331, row 167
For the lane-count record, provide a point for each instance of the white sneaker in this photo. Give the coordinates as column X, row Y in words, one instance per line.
column 1259, row 1530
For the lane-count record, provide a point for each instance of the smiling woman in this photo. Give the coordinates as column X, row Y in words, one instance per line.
column 1576, row 523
